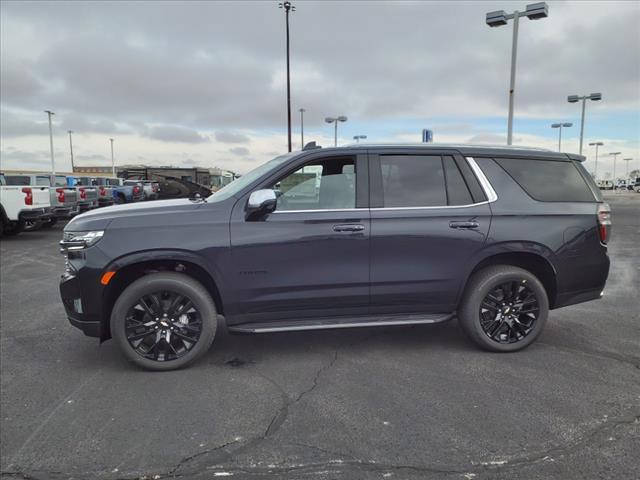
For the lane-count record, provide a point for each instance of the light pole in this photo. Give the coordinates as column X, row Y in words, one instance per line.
column 357, row 138
column 335, row 121
column 113, row 165
column 71, row 150
column 287, row 8
column 53, row 166
column 559, row 127
column 301, row 110
column 596, row 144
column 576, row 98
column 534, row 11
column 627, row 160
column 615, row 157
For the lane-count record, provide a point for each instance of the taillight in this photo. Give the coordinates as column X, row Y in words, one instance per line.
column 604, row 222
column 136, row 189
column 103, row 191
column 60, row 192
column 83, row 194
column 28, row 199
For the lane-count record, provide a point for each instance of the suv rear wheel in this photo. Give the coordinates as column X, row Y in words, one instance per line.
column 164, row 321
column 504, row 308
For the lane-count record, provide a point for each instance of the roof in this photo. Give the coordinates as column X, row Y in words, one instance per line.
column 467, row 149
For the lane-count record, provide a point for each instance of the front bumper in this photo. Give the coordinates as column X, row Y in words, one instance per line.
column 71, row 294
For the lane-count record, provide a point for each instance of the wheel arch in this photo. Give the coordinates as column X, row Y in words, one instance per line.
column 534, row 262
column 131, row 268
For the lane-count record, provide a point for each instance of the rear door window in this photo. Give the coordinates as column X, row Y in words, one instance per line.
column 548, row 180
column 457, row 191
column 412, row 181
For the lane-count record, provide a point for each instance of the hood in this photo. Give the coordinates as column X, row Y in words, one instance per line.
column 101, row 218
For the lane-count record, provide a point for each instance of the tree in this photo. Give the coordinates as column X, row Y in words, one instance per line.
column 634, row 173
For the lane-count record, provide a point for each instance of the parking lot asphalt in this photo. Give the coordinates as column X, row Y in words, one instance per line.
column 403, row 402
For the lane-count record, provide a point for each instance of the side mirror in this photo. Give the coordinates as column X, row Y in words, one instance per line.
column 260, row 203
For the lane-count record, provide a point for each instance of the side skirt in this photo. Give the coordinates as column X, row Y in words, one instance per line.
column 339, row 322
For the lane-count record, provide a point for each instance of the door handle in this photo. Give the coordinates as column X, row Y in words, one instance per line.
column 348, row 228
column 467, row 225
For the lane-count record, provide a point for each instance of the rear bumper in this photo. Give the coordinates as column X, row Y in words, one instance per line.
column 572, row 298
column 65, row 211
column 105, row 201
column 85, row 206
column 35, row 214
column 71, row 294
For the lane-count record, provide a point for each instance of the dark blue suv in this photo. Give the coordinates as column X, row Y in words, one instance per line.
column 357, row 236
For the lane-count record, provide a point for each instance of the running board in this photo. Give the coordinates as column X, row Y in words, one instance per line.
column 339, row 322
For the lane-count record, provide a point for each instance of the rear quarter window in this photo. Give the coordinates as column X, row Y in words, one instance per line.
column 548, row 180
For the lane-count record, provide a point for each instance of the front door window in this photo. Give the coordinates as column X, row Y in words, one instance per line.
column 327, row 184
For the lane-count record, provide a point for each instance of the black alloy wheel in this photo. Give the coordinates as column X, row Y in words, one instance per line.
column 508, row 312
column 504, row 308
column 163, row 326
column 164, row 321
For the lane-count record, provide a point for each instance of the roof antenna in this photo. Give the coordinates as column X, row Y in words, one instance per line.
column 311, row 146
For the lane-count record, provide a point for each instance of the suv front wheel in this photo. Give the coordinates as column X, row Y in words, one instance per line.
column 164, row 321
column 504, row 308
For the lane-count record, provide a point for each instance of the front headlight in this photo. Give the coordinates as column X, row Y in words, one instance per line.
column 80, row 240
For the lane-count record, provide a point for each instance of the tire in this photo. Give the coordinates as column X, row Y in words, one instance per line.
column 491, row 324
column 120, row 199
column 129, row 304
column 12, row 228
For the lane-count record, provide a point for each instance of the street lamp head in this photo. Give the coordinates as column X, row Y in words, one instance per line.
column 573, row 98
column 342, row 118
column 329, row 119
column 287, row 6
column 593, row 144
column 556, row 125
column 536, row 11
column 627, row 159
column 301, row 110
column 595, row 96
column 568, row 124
column 615, row 153
column 497, row 18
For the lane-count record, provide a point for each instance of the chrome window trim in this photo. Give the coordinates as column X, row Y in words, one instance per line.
column 363, row 209
column 430, row 207
column 491, row 194
column 486, row 186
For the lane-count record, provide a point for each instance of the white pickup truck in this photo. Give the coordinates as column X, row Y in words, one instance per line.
column 19, row 204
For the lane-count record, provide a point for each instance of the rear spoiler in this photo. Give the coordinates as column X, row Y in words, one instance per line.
column 575, row 156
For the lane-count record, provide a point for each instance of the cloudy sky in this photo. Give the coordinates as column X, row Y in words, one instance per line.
column 203, row 83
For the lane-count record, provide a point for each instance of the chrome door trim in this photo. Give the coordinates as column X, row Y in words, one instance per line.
column 491, row 194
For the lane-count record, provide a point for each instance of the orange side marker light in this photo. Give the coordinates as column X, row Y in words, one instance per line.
column 106, row 278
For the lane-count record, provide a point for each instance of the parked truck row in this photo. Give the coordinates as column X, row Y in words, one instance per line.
column 33, row 201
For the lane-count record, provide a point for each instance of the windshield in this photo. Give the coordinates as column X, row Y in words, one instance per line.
column 237, row 185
